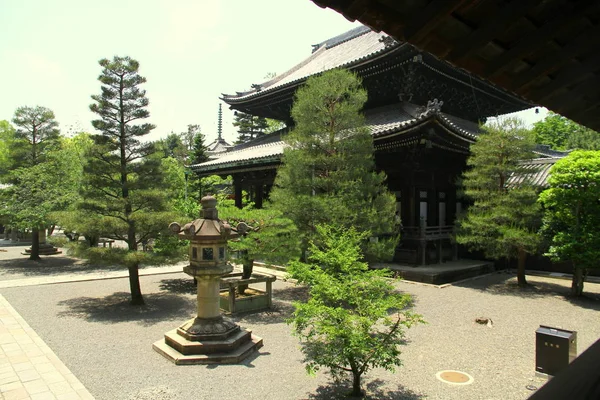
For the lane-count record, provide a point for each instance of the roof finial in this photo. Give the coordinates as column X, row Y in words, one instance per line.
column 220, row 123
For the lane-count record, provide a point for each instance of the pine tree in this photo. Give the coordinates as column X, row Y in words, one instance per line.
column 37, row 131
column 249, row 126
column 328, row 172
column 504, row 217
column 123, row 179
column 198, row 154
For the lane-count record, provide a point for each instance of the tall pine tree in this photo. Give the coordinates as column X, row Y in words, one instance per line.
column 504, row 217
column 328, row 172
column 249, row 126
column 123, row 179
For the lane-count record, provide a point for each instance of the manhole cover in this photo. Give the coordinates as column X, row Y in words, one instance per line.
column 454, row 377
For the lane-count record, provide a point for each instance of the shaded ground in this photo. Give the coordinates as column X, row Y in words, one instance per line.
column 15, row 265
column 107, row 343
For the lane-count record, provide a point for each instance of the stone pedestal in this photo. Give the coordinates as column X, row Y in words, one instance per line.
column 210, row 338
column 46, row 249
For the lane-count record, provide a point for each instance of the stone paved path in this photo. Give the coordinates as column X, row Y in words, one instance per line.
column 29, row 369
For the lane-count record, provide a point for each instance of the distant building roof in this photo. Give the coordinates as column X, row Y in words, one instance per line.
column 536, row 172
column 218, row 146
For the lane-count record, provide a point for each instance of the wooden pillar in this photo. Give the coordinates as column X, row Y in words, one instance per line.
column 237, row 184
column 258, row 195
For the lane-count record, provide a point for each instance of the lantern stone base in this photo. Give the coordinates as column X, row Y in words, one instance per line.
column 214, row 341
column 46, row 249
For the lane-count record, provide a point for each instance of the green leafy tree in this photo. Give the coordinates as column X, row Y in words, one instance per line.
column 271, row 237
column 172, row 146
column 124, row 178
column 41, row 190
column 35, row 136
column 561, row 133
column 273, row 125
column 503, row 219
column 572, row 213
column 75, row 221
column 189, row 137
column 7, row 137
column 354, row 318
column 249, row 126
column 328, row 172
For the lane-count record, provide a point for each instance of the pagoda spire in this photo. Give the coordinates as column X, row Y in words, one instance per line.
column 220, row 124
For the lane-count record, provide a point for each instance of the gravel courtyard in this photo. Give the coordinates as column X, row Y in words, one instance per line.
column 108, row 344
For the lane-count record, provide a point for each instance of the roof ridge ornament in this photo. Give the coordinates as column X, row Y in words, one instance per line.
column 387, row 41
column 433, row 107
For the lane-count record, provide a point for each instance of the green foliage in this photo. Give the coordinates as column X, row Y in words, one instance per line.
column 249, row 126
column 57, row 241
column 502, row 220
column 123, row 179
column 169, row 245
column 198, row 151
column 572, row 211
column 7, row 137
column 273, row 238
column 36, row 133
column 328, row 172
column 354, row 319
column 38, row 191
column 106, row 256
column 562, row 134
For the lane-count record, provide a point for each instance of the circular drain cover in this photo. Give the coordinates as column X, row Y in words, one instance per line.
column 454, row 377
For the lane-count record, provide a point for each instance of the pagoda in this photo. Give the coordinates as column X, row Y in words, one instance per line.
column 423, row 114
column 219, row 145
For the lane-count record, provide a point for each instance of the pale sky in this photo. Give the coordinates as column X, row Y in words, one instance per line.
column 190, row 51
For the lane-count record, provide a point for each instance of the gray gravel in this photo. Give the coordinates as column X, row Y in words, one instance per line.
column 107, row 344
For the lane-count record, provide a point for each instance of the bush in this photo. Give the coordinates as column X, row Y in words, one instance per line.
column 57, row 241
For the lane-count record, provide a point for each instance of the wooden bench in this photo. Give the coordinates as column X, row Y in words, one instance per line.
column 105, row 241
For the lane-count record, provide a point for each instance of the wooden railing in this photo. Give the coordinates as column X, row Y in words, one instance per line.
column 427, row 232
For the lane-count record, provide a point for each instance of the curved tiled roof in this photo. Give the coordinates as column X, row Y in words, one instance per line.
column 535, row 172
column 382, row 122
column 341, row 51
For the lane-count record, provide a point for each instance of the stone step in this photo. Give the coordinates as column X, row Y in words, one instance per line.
column 185, row 346
column 233, row 357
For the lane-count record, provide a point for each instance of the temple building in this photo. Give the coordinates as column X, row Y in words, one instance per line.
column 423, row 114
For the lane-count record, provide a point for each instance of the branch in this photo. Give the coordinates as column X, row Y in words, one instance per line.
column 389, row 335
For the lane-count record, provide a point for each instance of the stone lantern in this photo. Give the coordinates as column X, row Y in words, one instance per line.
column 210, row 337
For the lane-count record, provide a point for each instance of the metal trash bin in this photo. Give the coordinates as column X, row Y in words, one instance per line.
column 554, row 350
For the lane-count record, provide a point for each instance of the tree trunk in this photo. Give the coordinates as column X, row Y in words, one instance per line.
column 51, row 230
column 356, row 390
column 577, row 283
column 134, row 286
column 521, row 268
column 35, row 245
column 92, row 240
column 247, row 266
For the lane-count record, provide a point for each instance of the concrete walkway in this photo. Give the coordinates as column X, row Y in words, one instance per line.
column 29, row 369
